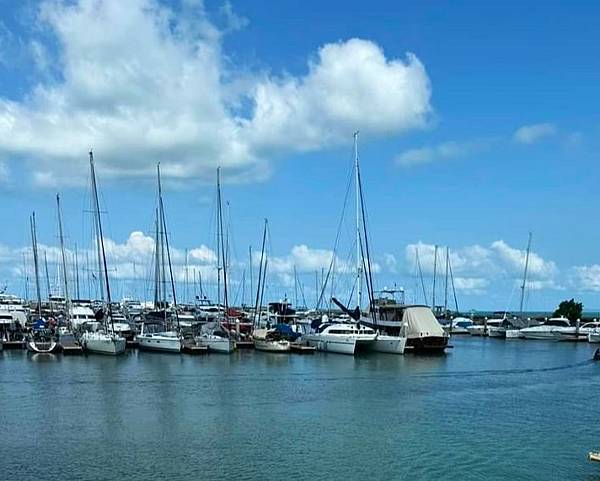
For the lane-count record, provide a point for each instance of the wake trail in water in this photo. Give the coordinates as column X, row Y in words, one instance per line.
column 498, row 372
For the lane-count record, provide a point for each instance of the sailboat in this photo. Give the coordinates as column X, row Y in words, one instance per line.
column 102, row 340
column 214, row 335
column 266, row 338
column 167, row 338
column 512, row 331
column 368, row 331
column 41, row 339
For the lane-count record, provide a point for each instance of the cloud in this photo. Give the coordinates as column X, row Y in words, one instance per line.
column 477, row 266
column 4, row 172
column 443, row 151
column 160, row 87
column 586, row 278
column 530, row 134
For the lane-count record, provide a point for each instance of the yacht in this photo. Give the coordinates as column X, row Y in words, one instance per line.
column 545, row 331
column 594, row 336
column 575, row 333
column 42, row 339
column 81, row 315
column 340, row 337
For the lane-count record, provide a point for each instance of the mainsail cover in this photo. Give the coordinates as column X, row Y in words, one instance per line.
column 421, row 322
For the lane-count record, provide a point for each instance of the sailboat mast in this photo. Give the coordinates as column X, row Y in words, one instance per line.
column 102, row 251
column 36, row 264
column 77, row 273
column 223, row 247
column 163, row 221
column 358, row 250
column 47, row 278
column 434, row 277
column 446, row 282
column 525, row 277
column 156, row 264
column 62, row 251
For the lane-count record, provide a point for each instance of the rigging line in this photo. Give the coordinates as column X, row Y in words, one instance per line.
column 337, row 236
column 260, row 269
column 453, row 288
column 370, row 273
column 426, row 302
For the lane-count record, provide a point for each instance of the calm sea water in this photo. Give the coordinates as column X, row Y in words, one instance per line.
column 489, row 409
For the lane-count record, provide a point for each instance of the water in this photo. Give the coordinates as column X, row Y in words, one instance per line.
column 489, row 409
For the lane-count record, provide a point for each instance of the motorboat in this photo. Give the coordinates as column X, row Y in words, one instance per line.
column 546, row 330
column 81, row 315
column 574, row 333
column 458, row 325
column 486, row 328
column 340, row 337
column 594, row 336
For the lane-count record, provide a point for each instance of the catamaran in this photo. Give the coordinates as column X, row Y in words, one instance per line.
column 103, row 340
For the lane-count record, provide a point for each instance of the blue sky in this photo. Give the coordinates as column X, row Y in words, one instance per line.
column 488, row 133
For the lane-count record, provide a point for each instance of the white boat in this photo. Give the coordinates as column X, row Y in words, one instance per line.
column 100, row 342
column 484, row 329
column 270, row 340
column 513, row 334
column 594, row 336
column 165, row 341
column 458, row 325
column 546, row 330
column 215, row 338
column 388, row 344
column 576, row 334
column 80, row 315
column 341, row 337
column 43, row 347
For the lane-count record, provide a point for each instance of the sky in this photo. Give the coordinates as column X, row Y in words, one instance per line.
column 478, row 124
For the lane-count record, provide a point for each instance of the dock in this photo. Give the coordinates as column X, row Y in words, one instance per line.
column 302, row 348
column 13, row 345
column 244, row 344
column 133, row 344
column 72, row 350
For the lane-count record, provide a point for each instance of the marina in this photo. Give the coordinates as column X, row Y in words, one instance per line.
column 448, row 412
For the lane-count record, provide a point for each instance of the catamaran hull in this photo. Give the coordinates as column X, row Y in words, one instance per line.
column 111, row 347
column 388, row 344
column 281, row 345
column 43, row 347
column 159, row 344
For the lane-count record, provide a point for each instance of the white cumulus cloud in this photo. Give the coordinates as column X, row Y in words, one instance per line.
column 140, row 82
column 530, row 134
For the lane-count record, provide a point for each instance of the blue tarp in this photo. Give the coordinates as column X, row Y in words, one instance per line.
column 286, row 330
column 39, row 325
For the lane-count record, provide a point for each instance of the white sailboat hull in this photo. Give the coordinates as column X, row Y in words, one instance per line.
column 538, row 335
column 280, row 345
column 216, row 343
column 388, row 344
column 100, row 343
column 42, row 347
column 497, row 332
column 163, row 341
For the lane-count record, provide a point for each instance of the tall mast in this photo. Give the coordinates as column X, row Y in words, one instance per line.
column 156, row 265
column 77, row 272
column 101, row 250
column 163, row 221
column 62, row 251
column 358, row 253
column 434, row 276
column 446, row 283
column 47, row 278
column 222, row 247
column 36, row 264
column 251, row 273
column 525, row 277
